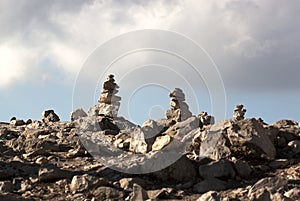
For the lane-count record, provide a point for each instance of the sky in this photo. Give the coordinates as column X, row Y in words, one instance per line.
column 253, row 44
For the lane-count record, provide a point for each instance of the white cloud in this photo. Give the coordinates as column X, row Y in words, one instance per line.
column 14, row 62
column 66, row 33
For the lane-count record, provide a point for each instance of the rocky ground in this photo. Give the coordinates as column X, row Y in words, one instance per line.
column 232, row 160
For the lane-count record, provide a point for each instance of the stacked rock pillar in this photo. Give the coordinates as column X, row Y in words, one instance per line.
column 109, row 102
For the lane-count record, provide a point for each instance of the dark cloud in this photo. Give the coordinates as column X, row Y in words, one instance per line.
column 22, row 18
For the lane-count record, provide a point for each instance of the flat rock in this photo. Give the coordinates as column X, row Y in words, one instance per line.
column 161, row 142
column 51, row 174
column 180, row 129
column 279, row 163
column 80, row 183
column 107, row 193
column 175, row 171
column 222, row 169
column 210, row 184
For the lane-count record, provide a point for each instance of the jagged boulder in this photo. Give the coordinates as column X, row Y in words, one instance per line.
column 242, row 138
column 249, row 133
column 78, row 113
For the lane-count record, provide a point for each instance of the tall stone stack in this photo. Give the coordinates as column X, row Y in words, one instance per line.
column 239, row 113
column 179, row 109
column 109, row 102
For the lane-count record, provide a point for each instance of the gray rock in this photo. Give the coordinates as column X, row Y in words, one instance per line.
column 251, row 134
column 78, row 113
column 161, row 142
column 288, row 129
column 138, row 142
column 279, row 163
column 152, row 127
column 210, row 184
column 161, row 193
column 107, row 193
column 110, row 110
column 272, row 184
column 260, row 195
column 124, row 125
column 175, row 171
column 180, row 129
column 81, row 183
column 242, row 168
column 285, row 123
column 127, row 183
column 222, row 169
column 213, row 144
column 51, row 174
column 210, row 196
column 139, row 194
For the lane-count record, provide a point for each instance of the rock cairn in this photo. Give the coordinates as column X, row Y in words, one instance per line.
column 239, row 113
column 179, row 109
column 109, row 103
column 206, row 119
column 50, row 116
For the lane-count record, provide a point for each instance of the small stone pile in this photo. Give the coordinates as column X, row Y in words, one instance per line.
column 50, row 116
column 109, row 103
column 206, row 119
column 180, row 110
column 239, row 113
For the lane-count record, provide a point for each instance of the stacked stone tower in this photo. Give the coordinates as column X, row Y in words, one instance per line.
column 179, row 109
column 239, row 113
column 109, row 102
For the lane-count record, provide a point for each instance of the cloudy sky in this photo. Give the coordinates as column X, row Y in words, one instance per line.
column 254, row 44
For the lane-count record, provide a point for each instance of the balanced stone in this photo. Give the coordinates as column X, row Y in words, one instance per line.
column 109, row 90
column 239, row 113
column 109, row 103
column 179, row 109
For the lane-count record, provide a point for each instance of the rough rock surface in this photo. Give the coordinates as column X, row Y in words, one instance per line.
column 36, row 164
